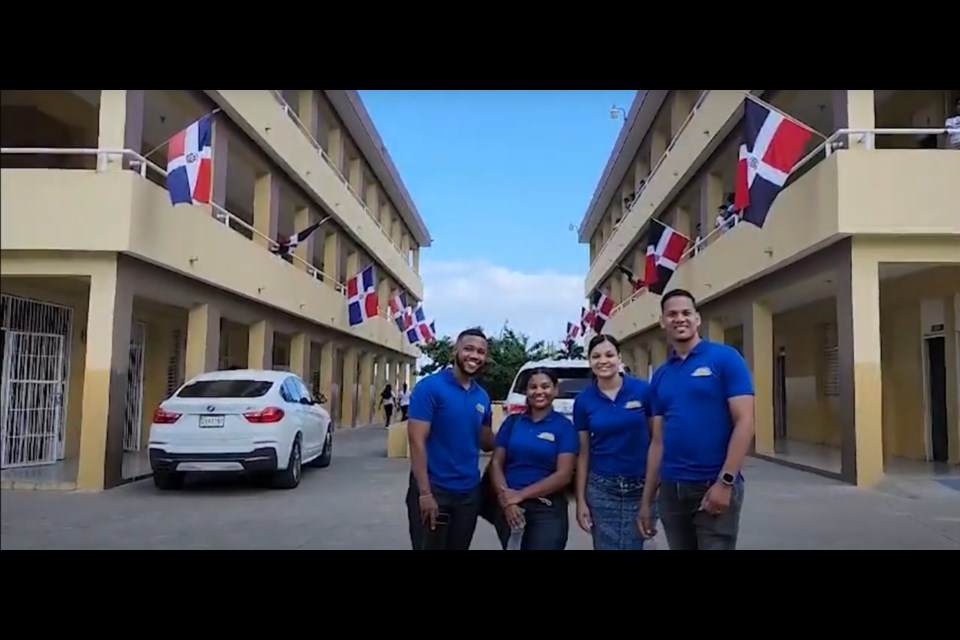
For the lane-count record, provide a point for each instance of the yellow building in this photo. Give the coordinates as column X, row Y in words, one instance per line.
column 112, row 297
column 846, row 304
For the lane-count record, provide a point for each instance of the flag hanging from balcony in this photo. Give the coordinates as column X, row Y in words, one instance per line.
column 573, row 330
column 665, row 248
column 189, row 163
column 362, row 303
column 286, row 244
column 422, row 330
column 771, row 147
column 635, row 282
column 401, row 313
column 602, row 308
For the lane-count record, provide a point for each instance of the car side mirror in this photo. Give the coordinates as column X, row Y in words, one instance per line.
column 322, row 399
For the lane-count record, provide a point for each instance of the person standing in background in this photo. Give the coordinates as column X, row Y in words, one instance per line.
column 404, row 399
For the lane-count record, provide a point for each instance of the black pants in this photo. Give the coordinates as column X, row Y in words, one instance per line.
column 388, row 413
column 458, row 510
column 547, row 528
column 404, row 408
column 687, row 528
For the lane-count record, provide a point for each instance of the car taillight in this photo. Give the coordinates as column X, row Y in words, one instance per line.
column 162, row 416
column 516, row 408
column 264, row 416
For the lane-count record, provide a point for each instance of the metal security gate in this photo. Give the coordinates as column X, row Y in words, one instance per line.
column 133, row 417
column 33, row 384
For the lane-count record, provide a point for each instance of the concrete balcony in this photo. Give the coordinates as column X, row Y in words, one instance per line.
column 884, row 192
column 120, row 211
column 698, row 138
column 286, row 144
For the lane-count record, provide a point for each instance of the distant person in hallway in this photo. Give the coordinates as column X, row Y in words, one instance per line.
column 404, row 399
column 702, row 429
column 953, row 122
column 532, row 466
column 450, row 422
column 612, row 417
column 386, row 403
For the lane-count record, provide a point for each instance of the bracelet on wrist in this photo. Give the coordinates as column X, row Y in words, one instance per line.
column 426, row 495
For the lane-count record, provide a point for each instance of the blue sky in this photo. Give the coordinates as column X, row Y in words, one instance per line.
column 499, row 176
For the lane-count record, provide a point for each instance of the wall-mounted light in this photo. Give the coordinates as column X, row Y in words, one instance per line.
column 617, row 112
column 193, row 260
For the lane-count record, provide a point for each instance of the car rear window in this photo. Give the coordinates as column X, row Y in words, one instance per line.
column 572, row 381
column 226, row 389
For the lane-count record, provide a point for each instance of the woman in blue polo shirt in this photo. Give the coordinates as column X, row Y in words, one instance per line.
column 612, row 418
column 532, row 466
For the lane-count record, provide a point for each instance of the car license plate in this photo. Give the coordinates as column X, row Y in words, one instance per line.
column 211, row 422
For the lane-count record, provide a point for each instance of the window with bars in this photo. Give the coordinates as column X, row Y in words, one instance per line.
column 176, row 364
column 831, row 360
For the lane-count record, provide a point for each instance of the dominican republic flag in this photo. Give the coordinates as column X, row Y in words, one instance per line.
column 189, row 163
column 421, row 330
column 602, row 308
column 586, row 320
column 572, row 331
column 400, row 312
column 665, row 248
column 362, row 300
column 771, row 147
column 285, row 245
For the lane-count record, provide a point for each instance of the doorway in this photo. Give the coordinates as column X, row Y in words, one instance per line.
column 780, row 399
column 935, row 351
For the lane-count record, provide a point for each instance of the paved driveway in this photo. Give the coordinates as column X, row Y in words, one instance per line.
column 357, row 503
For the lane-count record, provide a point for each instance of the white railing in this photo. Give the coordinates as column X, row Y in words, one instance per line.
column 827, row 147
column 653, row 172
column 291, row 112
column 141, row 165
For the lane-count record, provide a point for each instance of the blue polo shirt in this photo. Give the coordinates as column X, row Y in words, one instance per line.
column 619, row 435
column 455, row 416
column 532, row 447
column 691, row 395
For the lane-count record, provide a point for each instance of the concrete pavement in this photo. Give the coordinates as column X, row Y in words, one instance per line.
column 357, row 503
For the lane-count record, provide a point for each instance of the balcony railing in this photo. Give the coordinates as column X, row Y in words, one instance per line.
column 839, row 140
column 653, row 172
column 292, row 114
column 142, row 166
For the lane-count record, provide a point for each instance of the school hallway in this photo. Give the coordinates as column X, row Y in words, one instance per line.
column 357, row 503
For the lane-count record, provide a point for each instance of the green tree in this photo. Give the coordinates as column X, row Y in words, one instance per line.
column 506, row 353
column 570, row 351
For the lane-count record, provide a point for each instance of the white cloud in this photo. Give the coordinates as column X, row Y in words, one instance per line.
column 465, row 294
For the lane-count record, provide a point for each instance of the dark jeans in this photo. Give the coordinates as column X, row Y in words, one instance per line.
column 614, row 502
column 404, row 410
column 459, row 510
column 688, row 528
column 547, row 528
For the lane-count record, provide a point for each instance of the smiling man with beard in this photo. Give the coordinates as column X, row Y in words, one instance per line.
column 450, row 421
column 702, row 429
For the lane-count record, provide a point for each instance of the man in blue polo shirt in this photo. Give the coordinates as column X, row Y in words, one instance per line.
column 449, row 423
column 702, row 430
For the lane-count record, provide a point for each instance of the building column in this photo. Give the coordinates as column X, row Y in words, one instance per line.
column 260, row 345
column 405, row 246
column 301, row 346
column 658, row 145
column 372, row 198
column 415, row 260
column 327, row 360
column 121, row 126
column 365, row 410
column 266, row 207
column 349, row 390
column 658, row 353
column 331, row 257
column 641, row 362
column 352, row 265
column 335, row 147
column 220, row 151
column 855, row 109
column 203, row 340
column 307, row 110
column 758, row 348
column 381, row 378
column 858, row 352
column 109, row 321
column 714, row 331
column 711, row 197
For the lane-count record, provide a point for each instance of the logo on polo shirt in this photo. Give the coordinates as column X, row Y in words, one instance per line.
column 546, row 435
column 479, row 408
column 633, row 404
column 702, row 372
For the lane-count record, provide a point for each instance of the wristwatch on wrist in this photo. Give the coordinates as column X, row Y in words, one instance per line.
column 727, row 478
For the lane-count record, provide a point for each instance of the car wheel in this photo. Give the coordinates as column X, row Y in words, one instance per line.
column 167, row 480
column 326, row 456
column 289, row 478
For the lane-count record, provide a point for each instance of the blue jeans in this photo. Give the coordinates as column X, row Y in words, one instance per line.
column 547, row 528
column 614, row 502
